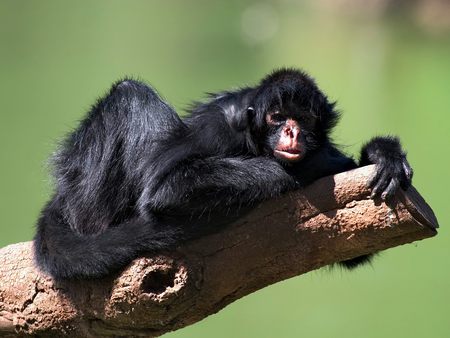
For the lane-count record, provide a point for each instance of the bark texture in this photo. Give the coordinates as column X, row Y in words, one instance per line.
column 329, row 221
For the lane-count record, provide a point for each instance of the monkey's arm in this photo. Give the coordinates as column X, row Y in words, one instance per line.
column 199, row 184
column 392, row 168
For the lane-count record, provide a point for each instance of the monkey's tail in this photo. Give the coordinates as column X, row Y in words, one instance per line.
column 65, row 254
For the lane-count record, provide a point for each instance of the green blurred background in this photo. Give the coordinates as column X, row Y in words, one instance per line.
column 386, row 62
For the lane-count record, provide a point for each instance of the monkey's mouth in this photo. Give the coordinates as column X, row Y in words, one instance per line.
column 290, row 155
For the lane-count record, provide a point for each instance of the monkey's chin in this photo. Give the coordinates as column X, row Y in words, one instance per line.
column 288, row 156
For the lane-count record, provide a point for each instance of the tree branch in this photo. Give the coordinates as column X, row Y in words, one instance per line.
column 329, row 221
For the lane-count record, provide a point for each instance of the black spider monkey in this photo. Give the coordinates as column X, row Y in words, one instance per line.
column 135, row 177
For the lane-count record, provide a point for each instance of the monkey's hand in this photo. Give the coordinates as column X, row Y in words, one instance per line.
column 392, row 168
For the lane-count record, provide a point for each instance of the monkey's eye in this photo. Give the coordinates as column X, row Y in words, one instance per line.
column 275, row 118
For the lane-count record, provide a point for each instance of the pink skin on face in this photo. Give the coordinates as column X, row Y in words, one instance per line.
column 288, row 147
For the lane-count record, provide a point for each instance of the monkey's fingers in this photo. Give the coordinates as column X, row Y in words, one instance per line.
column 408, row 171
column 381, row 184
column 374, row 179
column 391, row 189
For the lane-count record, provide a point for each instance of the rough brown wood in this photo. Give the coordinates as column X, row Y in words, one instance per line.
column 329, row 221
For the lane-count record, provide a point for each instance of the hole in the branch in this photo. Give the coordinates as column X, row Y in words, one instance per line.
column 158, row 281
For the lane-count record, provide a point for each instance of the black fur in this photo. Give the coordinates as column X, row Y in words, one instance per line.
column 135, row 177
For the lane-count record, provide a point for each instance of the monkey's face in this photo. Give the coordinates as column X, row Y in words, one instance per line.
column 292, row 117
column 289, row 135
column 285, row 137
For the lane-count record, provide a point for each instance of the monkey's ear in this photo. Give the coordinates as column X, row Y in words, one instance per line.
column 250, row 114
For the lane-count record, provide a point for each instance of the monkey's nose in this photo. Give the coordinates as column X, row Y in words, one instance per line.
column 293, row 133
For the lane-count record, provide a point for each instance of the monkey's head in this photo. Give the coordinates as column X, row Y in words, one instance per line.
column 291, row 116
